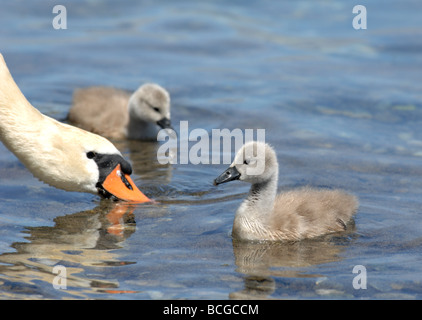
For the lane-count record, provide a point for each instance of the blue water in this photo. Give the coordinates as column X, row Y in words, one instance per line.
column 341, row 106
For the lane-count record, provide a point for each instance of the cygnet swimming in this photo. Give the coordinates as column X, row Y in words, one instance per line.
column 118, row 114
column 293, row 215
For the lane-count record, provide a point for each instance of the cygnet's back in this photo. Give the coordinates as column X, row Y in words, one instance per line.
column 102, row 110
column 309, row 212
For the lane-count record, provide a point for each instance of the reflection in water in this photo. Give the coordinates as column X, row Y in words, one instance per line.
column 76, row 241
column 263, row 261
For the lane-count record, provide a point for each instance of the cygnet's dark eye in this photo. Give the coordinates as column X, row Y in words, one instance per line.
column 90, row 155
column 156, row 109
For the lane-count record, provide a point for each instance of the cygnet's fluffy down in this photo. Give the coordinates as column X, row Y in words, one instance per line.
column 117, row 114
column 293, row 215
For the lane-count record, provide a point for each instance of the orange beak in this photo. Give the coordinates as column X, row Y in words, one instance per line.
column 123, row 190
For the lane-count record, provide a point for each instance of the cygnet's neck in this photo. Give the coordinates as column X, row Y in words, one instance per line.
column 251, row 219
column 261, row 198
column 262, row 195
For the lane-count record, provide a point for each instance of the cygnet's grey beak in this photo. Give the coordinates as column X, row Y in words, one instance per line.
column 165, row 123
column 230, row 174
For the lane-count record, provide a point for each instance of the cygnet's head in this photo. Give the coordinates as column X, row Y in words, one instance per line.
column 255, row 162
column 151, row 103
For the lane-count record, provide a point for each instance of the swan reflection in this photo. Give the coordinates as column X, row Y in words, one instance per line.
column 78, row 241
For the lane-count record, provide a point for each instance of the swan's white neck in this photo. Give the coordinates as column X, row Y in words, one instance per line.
column 18, row 119
column 41, row 143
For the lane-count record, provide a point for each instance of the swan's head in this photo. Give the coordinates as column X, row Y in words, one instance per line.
column 151, row 103
column 255, row 162
column 76, row 160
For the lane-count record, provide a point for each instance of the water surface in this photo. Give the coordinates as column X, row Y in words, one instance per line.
column 341, row 106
